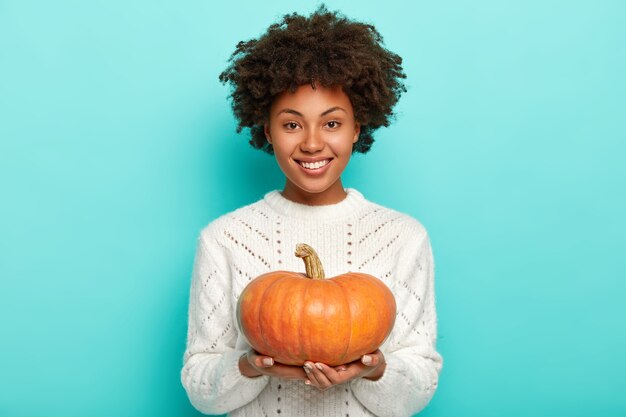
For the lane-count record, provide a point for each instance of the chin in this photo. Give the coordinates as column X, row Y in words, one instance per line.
column 312, row 188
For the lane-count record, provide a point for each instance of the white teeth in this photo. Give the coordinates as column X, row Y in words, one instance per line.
column 314, row 165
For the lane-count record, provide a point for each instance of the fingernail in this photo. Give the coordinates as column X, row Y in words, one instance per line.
column 341, row 368
column 307, row 368
column 307, row 382
column 268, row 361
column 367, row 359
column 319, row 366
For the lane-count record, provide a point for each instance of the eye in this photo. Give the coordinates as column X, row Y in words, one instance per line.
column 333, row 124
column 291, row 125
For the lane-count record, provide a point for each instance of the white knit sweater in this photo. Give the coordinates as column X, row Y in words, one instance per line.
column 352, row 235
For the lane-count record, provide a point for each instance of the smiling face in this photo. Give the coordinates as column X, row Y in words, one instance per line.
column 312, row 132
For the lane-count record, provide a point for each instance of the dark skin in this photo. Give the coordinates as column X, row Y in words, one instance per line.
column 313, row 123
column 252, row 364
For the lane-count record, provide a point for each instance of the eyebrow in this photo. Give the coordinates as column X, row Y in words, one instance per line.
column 297, row 113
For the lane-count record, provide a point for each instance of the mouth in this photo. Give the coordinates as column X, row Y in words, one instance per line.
column 313, row 166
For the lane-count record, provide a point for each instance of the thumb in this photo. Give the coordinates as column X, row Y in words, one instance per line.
column 266, row 361
column 260, row 361
column 369, row 360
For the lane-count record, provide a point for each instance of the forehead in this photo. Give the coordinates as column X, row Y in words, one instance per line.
column 307, row 99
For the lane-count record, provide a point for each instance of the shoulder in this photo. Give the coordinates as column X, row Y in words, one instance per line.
column 219, row 228
column 411, row 238
column 408, row 227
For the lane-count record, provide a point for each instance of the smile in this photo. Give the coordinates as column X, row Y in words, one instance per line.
column 314, row 165
column 315, row 169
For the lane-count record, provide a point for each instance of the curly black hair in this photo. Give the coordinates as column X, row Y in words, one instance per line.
column 325, row 48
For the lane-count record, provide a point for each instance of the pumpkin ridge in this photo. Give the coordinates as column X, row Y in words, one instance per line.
column 345, row 296
column 300, row 337
column 290, row 356
column 262, row 331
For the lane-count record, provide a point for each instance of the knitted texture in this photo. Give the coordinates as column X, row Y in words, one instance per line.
column 352, row 235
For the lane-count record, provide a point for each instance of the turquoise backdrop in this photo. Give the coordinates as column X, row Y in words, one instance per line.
column 117, row 145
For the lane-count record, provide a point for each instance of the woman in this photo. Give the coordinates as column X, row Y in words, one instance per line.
column 312, row 91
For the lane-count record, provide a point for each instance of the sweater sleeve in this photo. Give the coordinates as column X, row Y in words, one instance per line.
column 210, row 373
column 413, row 364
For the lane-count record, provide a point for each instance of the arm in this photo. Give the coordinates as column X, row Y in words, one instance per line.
column 211, row 374
column 412, row 362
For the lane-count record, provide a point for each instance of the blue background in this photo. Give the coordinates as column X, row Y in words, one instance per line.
column 117, row 145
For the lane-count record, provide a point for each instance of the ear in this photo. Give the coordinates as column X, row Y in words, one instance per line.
column 357, row 131
column 266, row 130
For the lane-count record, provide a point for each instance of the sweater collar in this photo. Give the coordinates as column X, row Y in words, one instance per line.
column 349, row 206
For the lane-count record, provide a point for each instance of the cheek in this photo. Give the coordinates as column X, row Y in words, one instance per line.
column 342, row 145
column 283, row 148
column 283, row 152
column 287, row 143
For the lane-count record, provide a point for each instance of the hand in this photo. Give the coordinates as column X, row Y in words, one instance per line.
column 371, row 366
column 253, row 364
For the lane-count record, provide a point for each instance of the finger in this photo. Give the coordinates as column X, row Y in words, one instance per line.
column 286, row 371
column 315, row 376
column 370, row 360
column 260, row 361
column 346, row 373
column 322, row 372
column 267, row 361
column 308, row 369
column 334, row 376
column 373, row 359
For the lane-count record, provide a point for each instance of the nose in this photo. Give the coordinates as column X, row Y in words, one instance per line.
column 312, row 142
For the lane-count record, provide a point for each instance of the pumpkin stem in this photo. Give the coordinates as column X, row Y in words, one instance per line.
column 312, row 263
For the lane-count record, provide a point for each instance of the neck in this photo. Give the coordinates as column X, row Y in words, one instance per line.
column 332, row 195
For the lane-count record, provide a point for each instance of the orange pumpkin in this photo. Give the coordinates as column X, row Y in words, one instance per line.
column 294, row 317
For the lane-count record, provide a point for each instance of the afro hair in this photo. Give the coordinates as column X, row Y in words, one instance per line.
column 325, row 48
